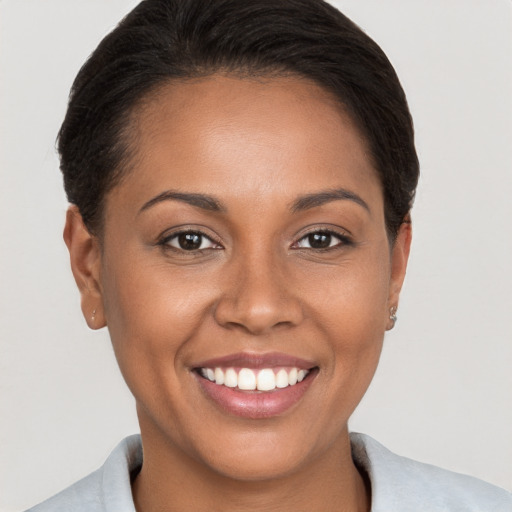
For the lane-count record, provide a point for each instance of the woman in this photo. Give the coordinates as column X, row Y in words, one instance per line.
column 241, row 177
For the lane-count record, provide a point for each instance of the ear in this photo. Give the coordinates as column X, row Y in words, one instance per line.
column 399, row 258
column 85, row 258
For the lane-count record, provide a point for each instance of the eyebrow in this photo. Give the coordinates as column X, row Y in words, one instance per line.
column 211, row 204
column 202, row 201
column 326, row 196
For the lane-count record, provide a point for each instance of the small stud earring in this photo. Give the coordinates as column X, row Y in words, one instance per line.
column 93, row 316
column 392, row 316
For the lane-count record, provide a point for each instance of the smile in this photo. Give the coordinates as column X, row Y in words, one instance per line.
column 247, row 379
column 255, row 386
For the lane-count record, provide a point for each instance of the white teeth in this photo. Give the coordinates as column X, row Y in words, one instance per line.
column 248, row 380
column 266, row 380
column 281, row 379
column 230, row 378
column 292, row 376
column 219, row 376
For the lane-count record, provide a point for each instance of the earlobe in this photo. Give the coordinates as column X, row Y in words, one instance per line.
column 85, row 259
column 399, row 259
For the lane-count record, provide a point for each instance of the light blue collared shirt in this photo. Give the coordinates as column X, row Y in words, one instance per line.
column 398, row 484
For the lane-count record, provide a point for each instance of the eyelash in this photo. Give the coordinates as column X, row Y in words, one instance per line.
column 343, row 239
column 165, row 241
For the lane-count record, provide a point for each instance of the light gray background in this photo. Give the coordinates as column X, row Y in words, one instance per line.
column 443, row 391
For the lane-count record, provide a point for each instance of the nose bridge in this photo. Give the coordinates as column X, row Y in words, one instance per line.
column 259, row 295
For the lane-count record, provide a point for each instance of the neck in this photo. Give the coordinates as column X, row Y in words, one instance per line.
column 173, row 481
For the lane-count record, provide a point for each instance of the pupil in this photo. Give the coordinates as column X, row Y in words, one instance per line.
column 320, row 240
column 189, row 241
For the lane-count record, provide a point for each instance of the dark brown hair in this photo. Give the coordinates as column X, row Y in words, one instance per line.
column 163, row 40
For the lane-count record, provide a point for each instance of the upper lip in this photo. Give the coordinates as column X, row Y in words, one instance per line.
column 256, row 361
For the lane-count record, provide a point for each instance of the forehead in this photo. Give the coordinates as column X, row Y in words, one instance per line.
column 221, row 133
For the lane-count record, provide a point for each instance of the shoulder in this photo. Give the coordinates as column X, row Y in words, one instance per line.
column 106, row 490
column 402, row 484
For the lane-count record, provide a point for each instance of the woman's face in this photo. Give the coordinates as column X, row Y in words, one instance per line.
column 246, row 245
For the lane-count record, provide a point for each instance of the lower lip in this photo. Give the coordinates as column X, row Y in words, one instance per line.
column 256, row 404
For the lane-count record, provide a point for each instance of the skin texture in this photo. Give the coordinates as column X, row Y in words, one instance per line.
column 258, row 287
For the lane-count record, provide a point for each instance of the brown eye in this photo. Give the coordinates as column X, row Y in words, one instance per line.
column 320, row 240
column 323, row 240
column 190, row 241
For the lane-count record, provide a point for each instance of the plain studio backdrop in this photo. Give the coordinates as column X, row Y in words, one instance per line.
column 442, row 393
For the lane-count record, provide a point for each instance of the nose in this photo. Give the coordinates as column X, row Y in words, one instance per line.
column 257, row 297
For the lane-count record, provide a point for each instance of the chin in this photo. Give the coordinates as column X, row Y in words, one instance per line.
column 261, row 463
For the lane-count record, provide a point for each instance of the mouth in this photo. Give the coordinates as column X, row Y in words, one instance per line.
column 248, row 379
column 255, row 386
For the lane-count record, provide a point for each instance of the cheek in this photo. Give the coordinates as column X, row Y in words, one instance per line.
column 350, row 309
column 152, row 310
column 353, row 296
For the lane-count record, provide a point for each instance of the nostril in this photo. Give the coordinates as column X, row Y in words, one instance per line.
column 258, row 315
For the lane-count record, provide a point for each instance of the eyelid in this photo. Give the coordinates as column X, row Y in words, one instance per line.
column 326, row 228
